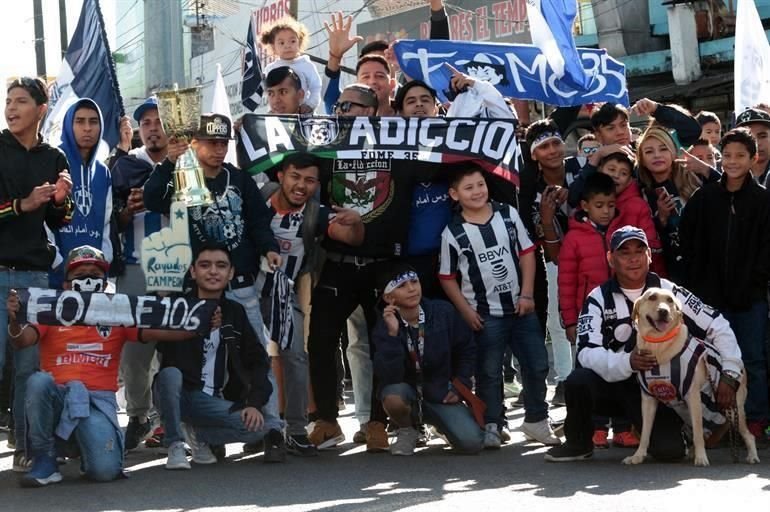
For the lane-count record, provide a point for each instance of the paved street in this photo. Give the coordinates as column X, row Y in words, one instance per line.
column 515, row 478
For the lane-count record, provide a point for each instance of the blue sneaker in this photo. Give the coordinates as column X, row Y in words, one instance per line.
column 44, row 471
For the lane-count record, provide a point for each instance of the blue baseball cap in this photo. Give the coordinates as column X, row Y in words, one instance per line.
column 624, row 234
column 151, row 102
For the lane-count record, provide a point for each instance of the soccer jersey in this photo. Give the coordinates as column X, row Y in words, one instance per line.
column 214, row 370
column 485, row 258
column 90, row 354
column 287, row 230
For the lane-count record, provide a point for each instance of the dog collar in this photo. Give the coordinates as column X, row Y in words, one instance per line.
column 666, row 337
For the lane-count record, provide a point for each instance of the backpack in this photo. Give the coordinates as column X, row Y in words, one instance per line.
column 314, row 254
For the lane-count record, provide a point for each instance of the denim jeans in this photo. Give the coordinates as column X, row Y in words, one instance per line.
column 524, row 336
column 95, row 437
column 750, row 328
column 360, row 364
column 455, row 421
column 212, row 418
column 25, row 361
column 295, row 377
column 562, row 348
column 248, row 298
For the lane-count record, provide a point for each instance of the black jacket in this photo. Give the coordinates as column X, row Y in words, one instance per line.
column 247, row 361
column 725, row 242
column 23, row 241
column 450, row 351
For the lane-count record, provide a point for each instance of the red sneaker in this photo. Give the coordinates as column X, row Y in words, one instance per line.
column 625, row 440
column 156, row 439
column 600, row 439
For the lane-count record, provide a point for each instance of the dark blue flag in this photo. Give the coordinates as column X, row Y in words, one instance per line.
column 251, row 88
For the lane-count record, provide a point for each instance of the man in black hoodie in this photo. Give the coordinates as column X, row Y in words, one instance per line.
column 34, row 191
column 218, row 384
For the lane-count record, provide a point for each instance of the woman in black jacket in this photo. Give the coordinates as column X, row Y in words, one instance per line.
column 424, row 352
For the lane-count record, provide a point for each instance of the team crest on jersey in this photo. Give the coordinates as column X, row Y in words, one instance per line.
column 104, row 330
column 663, row 390
column 584, row 325
column 319, row 131
column 362, row 185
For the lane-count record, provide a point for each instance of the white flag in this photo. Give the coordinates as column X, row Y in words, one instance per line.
column 752, row 58
column 220, row 104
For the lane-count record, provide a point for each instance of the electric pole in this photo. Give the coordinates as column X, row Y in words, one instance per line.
column 37, row 10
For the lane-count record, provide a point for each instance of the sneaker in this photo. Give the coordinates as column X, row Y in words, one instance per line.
column 257, row 447
column 300, row 445
column 558, row 396
column 326, row 434
column 136, row 432
column 275, row 447
column 44, row 471
column 600, row 439
column 511, row 389
column 519, row 401
column 423, row 436
column 21, row 463
column 541, row 432
column 406, row 441
column 492, row 439
column 505, row 435
column 219, row 451
column 201, row 453
column 376, row 437
column 156, row 438
column 625, row 439
column 360, row 436
column 177, row 456
column 567, row 453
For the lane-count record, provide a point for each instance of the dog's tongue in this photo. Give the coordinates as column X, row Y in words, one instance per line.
column 661, row 325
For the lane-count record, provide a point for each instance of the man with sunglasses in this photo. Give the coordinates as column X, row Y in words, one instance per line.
column 356, row 100
column 34, row 191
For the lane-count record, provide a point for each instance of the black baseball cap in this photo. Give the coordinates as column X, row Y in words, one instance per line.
column 751, row 116
column 214, row 127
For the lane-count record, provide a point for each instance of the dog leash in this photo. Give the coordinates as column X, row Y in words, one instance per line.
column 731, row 416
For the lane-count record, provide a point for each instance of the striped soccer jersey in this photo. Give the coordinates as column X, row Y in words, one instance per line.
column 485, row 257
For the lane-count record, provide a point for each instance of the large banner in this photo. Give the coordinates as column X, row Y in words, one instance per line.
column 67, row 307
column 491, row 143
column 517, row 71
column 752, row 58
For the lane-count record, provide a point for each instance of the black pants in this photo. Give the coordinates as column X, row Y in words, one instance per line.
column 587, row 394
column 341, row 288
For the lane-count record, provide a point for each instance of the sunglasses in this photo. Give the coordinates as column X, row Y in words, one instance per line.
column 590, row 150
column 347, row 106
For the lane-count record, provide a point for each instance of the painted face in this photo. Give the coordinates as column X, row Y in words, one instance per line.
column 87, row 277
column 286, row 44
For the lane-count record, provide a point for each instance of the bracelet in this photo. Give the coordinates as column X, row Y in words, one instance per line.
column 526, row 297
column 557, row 241
column 21, row 330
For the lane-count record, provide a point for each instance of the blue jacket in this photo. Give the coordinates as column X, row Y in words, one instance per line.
column 91, row 195
column 450, row 351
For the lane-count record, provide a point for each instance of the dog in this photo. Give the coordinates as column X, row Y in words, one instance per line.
column 658, row 317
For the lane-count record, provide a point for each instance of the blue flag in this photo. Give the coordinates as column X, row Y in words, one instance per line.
column 518, row 71
column 550, row 23
column 87, row 71
column 251, row 87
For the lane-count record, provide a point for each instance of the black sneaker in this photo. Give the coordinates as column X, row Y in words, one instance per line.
column 300, row 445
column 558, row 396
column 136, row 432
column 275, row 448
column 567, row 453
column 219, row 451
column 257, row 447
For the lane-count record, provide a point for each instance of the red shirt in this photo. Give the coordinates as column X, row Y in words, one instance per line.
column 89, row 354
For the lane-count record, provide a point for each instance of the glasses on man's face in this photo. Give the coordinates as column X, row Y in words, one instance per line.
column 590, row 150
column 347, row 106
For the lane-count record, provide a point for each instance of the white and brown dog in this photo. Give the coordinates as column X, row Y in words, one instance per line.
column 661, row 330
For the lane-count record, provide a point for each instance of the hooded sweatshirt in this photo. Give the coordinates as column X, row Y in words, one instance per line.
column 91, row 193
column 23, row 239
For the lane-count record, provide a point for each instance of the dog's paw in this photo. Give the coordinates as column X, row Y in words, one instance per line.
column 633, row 459
column 701, row 460
column 752, row 458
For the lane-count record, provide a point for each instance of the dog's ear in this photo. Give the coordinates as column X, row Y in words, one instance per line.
column 678, row 304
column 637, row 305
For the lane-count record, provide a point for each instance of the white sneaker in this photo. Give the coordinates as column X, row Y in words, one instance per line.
column 177, row 456
column 492, row 439
column 511, row 389
column 406, row 441
column 540, row 432
column 201, row 453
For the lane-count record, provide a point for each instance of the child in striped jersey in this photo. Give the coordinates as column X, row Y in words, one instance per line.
column 487, row 270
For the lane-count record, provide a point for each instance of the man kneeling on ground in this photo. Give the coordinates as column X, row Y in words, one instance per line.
column 216, row 384
column 421, row 346
column 72, row 399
